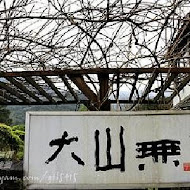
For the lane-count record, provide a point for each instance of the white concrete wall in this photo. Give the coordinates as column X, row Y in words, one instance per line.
column 65, row 172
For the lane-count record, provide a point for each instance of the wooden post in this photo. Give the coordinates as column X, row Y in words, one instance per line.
column 103, row 93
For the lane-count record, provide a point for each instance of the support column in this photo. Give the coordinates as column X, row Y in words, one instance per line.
column 103, row 93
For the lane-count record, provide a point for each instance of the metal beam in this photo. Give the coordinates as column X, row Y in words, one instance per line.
column 54, row 88
column 85, row 102
column 175, row 70
column 14, row 92
column 78, row 80
column 31, row 81
column 3, row 101
column 4, row 94
column 23, row 88
column 165, row 86
column 149, row 86
column 69, row 88
column 179, row 88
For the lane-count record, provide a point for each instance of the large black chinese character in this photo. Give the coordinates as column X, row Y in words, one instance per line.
column 163, row 148
column 60, row 143
column 109, row 165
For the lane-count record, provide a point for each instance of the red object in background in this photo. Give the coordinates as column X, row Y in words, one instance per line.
column 186, row 166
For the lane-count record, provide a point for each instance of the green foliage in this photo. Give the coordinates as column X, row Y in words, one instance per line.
column 18, row 127
column 12, row 139
column 83, row 108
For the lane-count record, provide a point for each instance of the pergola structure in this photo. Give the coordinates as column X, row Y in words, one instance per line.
column 93, row 52
column 51, row 87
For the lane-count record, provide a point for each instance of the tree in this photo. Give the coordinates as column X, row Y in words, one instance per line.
column 5, row 116
column 12, row 139
column 82, row 34
column 50, row 34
